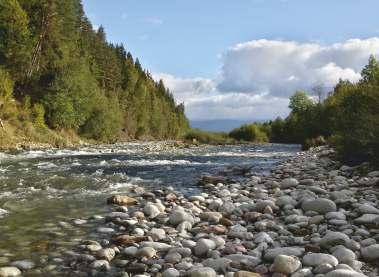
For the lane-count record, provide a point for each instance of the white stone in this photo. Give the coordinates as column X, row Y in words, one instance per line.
column 286, row 264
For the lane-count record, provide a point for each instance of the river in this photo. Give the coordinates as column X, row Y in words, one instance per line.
column 45, row 191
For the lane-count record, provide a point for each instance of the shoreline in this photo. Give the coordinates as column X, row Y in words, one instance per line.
column 264, row 226
column 312, row 216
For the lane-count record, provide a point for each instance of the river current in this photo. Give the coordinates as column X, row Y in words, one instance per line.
column 43, row 192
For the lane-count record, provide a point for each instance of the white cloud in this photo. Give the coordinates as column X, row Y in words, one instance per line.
column 280, row 67
column 257, row 77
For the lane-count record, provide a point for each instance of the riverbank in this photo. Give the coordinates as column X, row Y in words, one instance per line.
column 310, row 217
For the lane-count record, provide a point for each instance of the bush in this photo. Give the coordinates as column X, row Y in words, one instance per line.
column 200, row 136
column 251, row 133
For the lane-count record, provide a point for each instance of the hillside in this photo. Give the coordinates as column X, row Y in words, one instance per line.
column 60, row 81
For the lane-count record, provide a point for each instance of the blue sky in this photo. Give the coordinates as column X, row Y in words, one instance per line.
column 196, row 41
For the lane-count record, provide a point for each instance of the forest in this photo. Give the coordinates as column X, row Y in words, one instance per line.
column 347, row 118
column 58, row 73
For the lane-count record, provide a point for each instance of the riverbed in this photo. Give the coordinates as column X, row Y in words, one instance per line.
column 49, row 195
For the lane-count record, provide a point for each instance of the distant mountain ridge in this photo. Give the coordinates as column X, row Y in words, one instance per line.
column 220, row 125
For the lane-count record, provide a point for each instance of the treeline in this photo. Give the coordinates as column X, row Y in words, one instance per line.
column 65, row 75
column 347, row 119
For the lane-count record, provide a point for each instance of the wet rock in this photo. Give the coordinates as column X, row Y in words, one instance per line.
column 286, row 264
column 122, row 200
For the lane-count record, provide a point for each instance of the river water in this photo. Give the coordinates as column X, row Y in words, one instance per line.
column 44, row 191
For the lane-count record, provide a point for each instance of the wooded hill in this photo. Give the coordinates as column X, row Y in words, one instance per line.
column 57, row 72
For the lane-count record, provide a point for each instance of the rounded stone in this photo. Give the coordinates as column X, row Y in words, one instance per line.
column 315, row 259
column 202, row 272
column 320, row 205
column 203, row 246
column 285, row 264
column 171, row 272
column 9, row 271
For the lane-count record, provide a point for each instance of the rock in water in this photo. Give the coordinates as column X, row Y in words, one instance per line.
column 286, row 264
column 9, row 271
column 320, row 205
column 122, row 200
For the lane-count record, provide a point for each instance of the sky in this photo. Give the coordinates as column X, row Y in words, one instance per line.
column 242, row 59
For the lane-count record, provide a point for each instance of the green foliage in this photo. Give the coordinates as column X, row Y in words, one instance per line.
column 204, row 137
column 68, row 77
column 14, row 37
column 38, row 113
column 105, row 122
column 300, row 102
column 6, row 87
column 348, row 118
column 251, row 133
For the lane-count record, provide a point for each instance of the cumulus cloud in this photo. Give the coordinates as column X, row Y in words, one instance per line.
column 280, row 67
column 257, row 77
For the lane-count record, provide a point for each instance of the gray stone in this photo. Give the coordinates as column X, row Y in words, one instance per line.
column 106, row 254
column 371, row 252
column 202, row 272
column 179, row 215
column 366, row 219
column 159, row 246
column 288, row 183
column 271, row 254
column 146, row 252
column 320, row 205
column 203, row 246
column 344, row 255
column 102, row 265
column 171, row 272
column 286, row 264
column 344, row 273
column 315, row 259
column 23, row 265
column 332, row 239
column 151, row 210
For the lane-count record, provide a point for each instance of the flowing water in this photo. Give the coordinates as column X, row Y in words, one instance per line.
column 44, row 191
